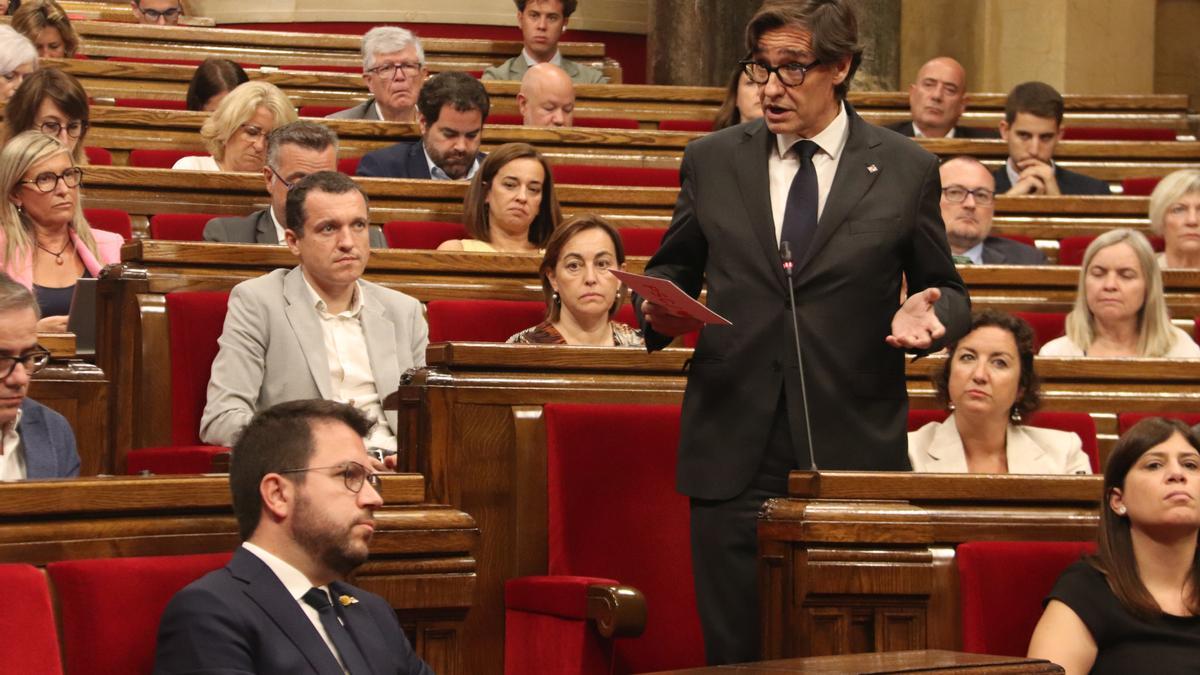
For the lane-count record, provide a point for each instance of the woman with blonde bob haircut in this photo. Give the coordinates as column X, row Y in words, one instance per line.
column 236, row 132
column 44, row 238
column 1119, row 306
column 1175, row 216
column 47, row 26
column 18, row 59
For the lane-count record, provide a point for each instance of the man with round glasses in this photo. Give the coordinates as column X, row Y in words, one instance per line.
column 305, row 502
column 394, row 70
column 968, row 203
column 159, row 12
column 35, row 441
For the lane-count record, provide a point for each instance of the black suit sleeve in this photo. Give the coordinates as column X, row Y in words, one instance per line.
column 929, row 264
column 371, row 166
column 198, row 635
column 385, row 618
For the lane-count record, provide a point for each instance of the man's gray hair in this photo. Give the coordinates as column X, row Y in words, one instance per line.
column 14, row 297
column 386, row 40
column 307, row 135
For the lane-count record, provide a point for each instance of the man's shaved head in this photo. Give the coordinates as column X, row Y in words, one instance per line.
column 547, row 97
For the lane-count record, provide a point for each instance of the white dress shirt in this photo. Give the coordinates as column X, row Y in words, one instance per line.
column 917, row 133
column 297, row 584
column 350, row 375
column 12, row 462
column 784, row 163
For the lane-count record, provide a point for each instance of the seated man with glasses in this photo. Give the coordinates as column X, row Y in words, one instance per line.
column 35, row 441
column 294, row 151
column 394, row 70
column 968, row 200
column 305, row 503
column 160, row 12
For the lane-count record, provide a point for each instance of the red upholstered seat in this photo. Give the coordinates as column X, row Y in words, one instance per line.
column 110, row 608
column 606, row 122
column 173, row 459
column 481, row 320
column 98, row 156
column 918, row 418
column 1071, row 249
column 1046, row 326
column 1080, row 423
column 999, row 608
column 320, row 110
column 1127, row 420
column 584, row 174
column 151, row 103
column 641, row 240
column 613, row 514
column 421, row 234
column 110, row 220
column 1139, row 187
column 159, row 159
column 696, row 126
column 504, row 118
column 1117, row 134
column 30, row 643
column 179, row 226
column 348, row 165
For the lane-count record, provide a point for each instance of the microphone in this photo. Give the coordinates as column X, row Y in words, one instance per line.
column 785, row 255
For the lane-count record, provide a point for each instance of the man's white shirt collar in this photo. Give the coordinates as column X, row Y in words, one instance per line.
column 295, row 581
column 356, row 303
column 278, row 227
column 531, row 62
column 831, row 140
column 917, row 133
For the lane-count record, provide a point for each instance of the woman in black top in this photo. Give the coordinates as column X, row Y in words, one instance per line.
column 1134, row 606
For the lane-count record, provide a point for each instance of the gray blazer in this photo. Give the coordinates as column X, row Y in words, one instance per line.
column 48, row 441
column 273, row 351
column 514, row 69
column 362, row 111
column 257, row 228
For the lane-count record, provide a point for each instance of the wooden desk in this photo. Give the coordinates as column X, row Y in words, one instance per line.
column 79, row 391
column 422, row 556
column 923, row 661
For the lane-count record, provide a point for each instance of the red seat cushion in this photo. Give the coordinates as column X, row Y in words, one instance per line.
column 196, row 320
column 697, row 126
column 173, row 460
column 30, row 643
column 481, row 320
column 348, row 165
column 1000, row 608
column 641, row 240
column 98, row 156
column 1139, row 187
column 421, row 234
column 1072, row 249
column 606, row 122
column 1117, row 134
column 584, row 174
column 918, row 418
column 151, row 103
column 110, row 608
column 110, row 220
column 160, row 159
column 321, row 110
column 1046, row 326
column 179, row 226
column 504, row 118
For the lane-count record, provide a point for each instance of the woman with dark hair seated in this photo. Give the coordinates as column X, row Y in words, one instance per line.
column 741, row 101
column 213, row 79
column 54, row 103
column 581, row 295
column 1133, row 607
column 989, row 385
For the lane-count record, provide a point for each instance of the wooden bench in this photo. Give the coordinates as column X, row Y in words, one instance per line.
column 422, row 555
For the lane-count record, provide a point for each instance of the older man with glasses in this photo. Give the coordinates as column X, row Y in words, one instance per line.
column 968, row 202
column 394, row 70
column 35, row 441
column 294, row 151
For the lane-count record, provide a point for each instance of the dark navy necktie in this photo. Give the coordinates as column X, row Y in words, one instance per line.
column 800, row 213
column 352, row 658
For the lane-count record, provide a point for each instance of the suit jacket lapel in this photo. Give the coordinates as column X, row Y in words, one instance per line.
column 35, row 439
column 417, row 166
column 362, row 628
column 303, row 317
column 750, row 166
column 264, row 228
column 852, row 180
column 379, row 333
column 268, row 592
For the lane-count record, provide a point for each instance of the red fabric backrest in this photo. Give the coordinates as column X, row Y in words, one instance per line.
column 349, row 165
column 159, row 159
column 98, row 156
column 1127, row 420
column 421, row 234
column 179, row 226
column 169, row 62
column 481, row 320
column 30, row 643
column 1000, row 608
column 320, row 110
column 614, row 512
column 504, row 118
column 110, row 608
column 641, row 240
column 1117, row 134
column 1071, row 249
column 696, row 126
column 173, row 460
column 196, row 319
column 1046, row 326
column 606, row 122
column 1080, row 423
column 583, row 174
column 150, row 103
column 1139, row 187
column 918, row 418
column 110, row 220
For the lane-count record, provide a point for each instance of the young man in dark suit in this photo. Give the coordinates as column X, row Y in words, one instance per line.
column 304, row 494
column 857, row 206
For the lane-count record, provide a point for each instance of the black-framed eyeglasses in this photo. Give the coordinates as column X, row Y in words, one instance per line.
column 958, row 194
column 33, row 360
column 48, row 180
column 388, row 70
column 353, row 475
column 74, row 129
column 168, row 14
column 789, row 74
column 287, row 186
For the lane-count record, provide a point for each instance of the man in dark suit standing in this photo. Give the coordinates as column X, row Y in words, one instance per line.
column 304, row 496
column 857, row 206
column 968, row 201
column 451, row 110
column 1032, row 126
column 937, row 100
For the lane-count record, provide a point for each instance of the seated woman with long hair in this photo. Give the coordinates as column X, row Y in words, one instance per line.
column 581, row 295
column 1119, row 307
column 54, row 103
column 741, row 101
column 511, row 206
column 47, row 26
column 1175, row 216
column 236, row 132
column 989, row 385
column 211, row 83
column 45, row 241
column 1134, row 607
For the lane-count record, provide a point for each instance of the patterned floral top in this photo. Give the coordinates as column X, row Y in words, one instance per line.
column 546, row 334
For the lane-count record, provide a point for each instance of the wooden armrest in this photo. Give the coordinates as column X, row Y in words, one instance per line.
column 619, row 611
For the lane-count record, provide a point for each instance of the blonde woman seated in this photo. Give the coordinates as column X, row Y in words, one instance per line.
column 989, row 385
column 236, row 132
column 47, row 26
column 1175, row 216
column 45, row 241
column 1119, row 307
column 581, row 296
column 1134, row 607
column 511, row 206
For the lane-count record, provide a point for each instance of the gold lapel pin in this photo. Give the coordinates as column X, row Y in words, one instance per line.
column 347, row 600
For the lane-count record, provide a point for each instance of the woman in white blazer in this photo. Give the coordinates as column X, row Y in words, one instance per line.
column 989, row 385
